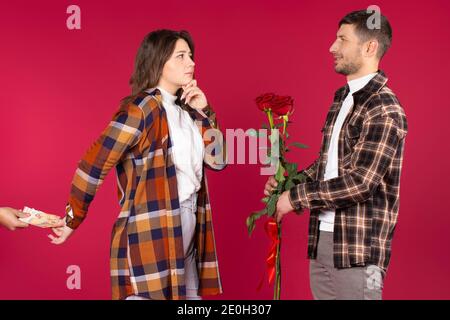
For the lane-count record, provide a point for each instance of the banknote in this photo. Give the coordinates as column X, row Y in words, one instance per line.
column 40, row 219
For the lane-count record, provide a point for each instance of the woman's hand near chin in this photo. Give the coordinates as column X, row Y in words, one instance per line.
column 194, row 96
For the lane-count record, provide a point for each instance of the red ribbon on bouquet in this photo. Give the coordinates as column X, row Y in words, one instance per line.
column 271, row 228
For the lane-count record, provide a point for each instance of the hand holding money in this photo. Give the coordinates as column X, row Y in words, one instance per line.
column 41, row 219
column 10, row 218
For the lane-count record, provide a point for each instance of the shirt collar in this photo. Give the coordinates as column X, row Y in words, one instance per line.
column 359, row 83
column 373, row 86
column 167, row 96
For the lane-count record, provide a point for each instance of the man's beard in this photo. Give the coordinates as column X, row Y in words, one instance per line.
column 348, row 68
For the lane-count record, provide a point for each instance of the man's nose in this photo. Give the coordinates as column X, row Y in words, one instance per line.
column 333, row 48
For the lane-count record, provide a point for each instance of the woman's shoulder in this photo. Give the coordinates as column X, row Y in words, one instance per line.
column 148, row 101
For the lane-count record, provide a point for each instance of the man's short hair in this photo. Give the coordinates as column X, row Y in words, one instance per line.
column 382, row 33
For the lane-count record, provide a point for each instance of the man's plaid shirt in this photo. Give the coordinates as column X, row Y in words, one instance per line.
column 365, row 195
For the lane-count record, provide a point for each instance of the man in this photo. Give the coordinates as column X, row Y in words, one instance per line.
column 352, row 189
column 9, row 218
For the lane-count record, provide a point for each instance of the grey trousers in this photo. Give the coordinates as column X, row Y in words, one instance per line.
column 330, row 283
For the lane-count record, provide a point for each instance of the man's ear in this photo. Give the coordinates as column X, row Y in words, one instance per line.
column 371, row 48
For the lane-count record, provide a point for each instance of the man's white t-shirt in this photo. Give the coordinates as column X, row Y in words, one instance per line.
column 326, row 216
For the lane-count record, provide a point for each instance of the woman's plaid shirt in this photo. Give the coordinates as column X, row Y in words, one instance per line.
column 147, row 256
column 365, row 195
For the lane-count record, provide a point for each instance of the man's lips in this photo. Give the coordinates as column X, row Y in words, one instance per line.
column 336, row 60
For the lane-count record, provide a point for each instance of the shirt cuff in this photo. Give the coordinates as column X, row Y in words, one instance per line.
column 294, row 205
column 72, row 221
column 210, row 115
column 299, row 197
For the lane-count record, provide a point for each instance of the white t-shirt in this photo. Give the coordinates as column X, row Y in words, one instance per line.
column 187, row 149
column 326, row 216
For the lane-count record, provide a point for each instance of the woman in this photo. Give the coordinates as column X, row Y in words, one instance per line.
column 163, row 241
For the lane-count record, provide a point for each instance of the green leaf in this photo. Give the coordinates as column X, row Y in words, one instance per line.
column 291, row 169
column 265, row 200
column 279, row 176
column 289, row 184
column 299, row 178
column 265, row 126
column 272, row 204
column 252, row 218
column 250, row 225
column 299, row 145
column 279, row 125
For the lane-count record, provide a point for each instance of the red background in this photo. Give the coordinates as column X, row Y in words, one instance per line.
column 60, row 87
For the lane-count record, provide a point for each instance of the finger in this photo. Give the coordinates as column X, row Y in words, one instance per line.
column 192, row 83
column 185, row 93
column 20, row 214
column 273, row 182
column 52, row 238
column 55, row 240
column 61, row 223
column 57, row 232
column 188, row 87
column 192, row 93
column 266, row 192
column 21, row 224
column 189, row 98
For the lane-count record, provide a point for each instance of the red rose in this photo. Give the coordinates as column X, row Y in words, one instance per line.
column 264, row 101
column 280, row 105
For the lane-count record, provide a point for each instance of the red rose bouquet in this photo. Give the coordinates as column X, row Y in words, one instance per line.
column 278, row 109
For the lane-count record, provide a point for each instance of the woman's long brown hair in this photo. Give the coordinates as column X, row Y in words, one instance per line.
column 154, row 51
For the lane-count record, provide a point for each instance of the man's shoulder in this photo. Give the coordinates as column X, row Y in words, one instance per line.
column 385, row 103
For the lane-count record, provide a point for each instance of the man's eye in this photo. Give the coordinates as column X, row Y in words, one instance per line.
column 180, row 56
